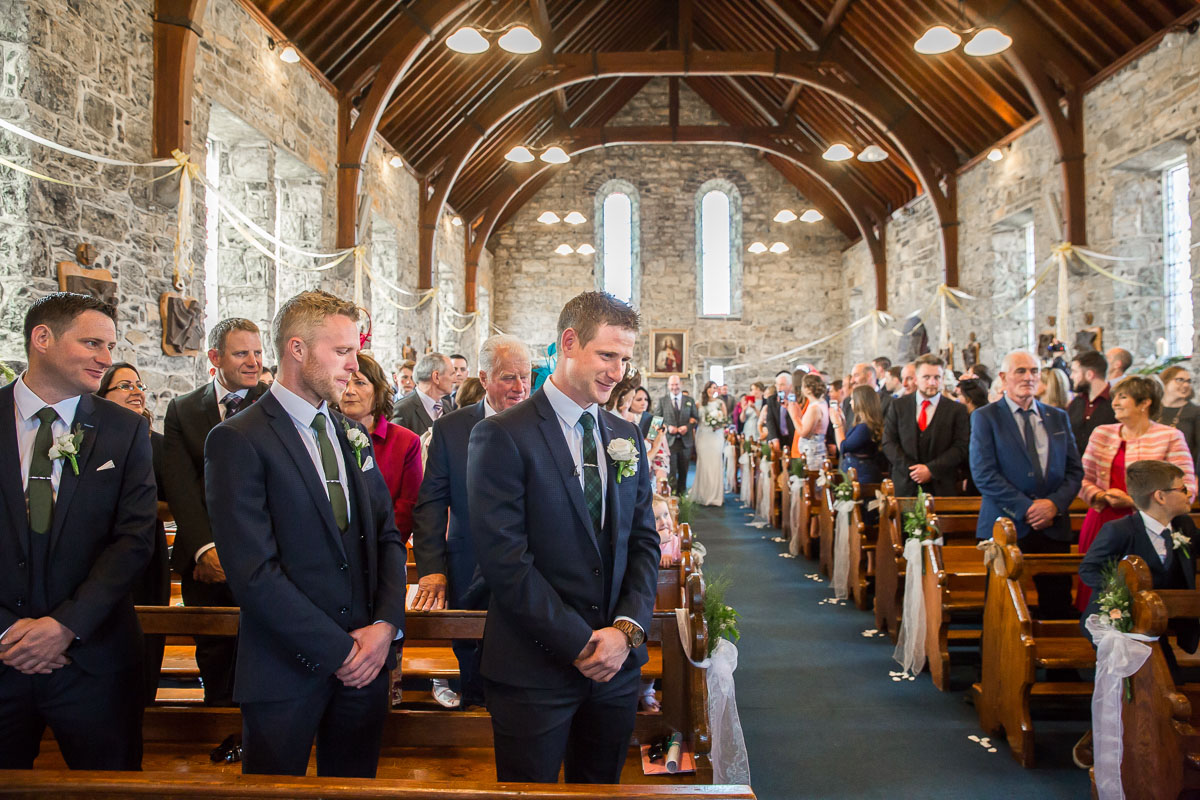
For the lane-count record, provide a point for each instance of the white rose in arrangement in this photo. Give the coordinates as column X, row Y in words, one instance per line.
column 623, row 453
column 358, row 439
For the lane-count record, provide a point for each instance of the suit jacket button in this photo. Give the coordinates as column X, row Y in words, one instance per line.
column 595, row 608
column 343, row 567
column 595, row 572
column 20, row 602
column 343, row 610
column 20, row 565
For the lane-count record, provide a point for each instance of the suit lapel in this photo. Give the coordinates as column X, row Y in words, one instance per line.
column 613, row 501
column 426, row 420
column 68, row 480
column 552, row 432
column 208, row 403
column 285, row 429
column 359, row 497
column 1009, row 424
column 10, row 477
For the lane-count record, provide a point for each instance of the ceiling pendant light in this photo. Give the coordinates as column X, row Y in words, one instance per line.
column 938, row 39
column 585, row 249
column 564, row 250
column 786, row 215
column 574, row 218
column 812, row 215
column 519, row 154
column 548, row 218
column 779, row 248
column 467, row 40
column 872, row 153
column 988, row 42
column 555, row 155
column 757, row 247
column 838, row 152
column 520, row 40
column 995, row 154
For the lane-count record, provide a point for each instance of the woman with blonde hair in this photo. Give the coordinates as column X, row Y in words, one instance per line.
column 1053, row 388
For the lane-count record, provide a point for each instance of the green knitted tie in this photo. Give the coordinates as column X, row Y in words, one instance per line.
column 333, row 481
column 41, row 488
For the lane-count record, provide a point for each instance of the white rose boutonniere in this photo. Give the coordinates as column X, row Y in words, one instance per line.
column 67, row 446
column 1180, row 542
column 358, row 440
column 623, row 453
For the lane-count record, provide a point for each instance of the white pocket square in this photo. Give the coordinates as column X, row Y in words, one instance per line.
column 368, row 464
column 106, row 465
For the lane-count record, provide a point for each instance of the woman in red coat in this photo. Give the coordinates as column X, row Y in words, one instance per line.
column 368, row 400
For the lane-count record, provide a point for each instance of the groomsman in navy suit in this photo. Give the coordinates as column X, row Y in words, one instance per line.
column 559, row 496
column 308, row 541
column 78, row 529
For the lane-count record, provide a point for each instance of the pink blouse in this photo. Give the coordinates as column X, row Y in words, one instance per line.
column 1159, row 443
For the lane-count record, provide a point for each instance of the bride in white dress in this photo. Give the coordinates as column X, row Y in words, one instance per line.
column 709, row 488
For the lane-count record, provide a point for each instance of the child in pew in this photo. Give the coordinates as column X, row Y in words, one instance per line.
column 669, row 545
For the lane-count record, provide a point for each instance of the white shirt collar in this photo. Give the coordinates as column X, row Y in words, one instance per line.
column 1014, row 408
column 221, row 391
column 567, row 409
column 933, row 401
column 296, row 406
column 488, row 411
column 1153, row 526
column 427, row 401
column 28, row 403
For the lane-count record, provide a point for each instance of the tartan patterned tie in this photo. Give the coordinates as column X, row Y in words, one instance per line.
column 232, row 404
column 40, row 490
column 333, row 482
column 593, row 492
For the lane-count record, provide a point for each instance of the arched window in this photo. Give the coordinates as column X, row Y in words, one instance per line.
column 617, row 241
column 719, row 249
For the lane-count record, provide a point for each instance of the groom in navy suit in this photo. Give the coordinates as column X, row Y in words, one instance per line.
column 1025, row 463
column 559, row 497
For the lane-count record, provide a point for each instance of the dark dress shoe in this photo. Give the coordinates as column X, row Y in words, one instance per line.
column 228, row 751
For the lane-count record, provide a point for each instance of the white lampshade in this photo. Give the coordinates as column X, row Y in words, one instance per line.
column 467, row 40
column 288, row 55
column 779, row 248
column 396, row 161
column 575, row 218
column 520, row 154
column 520, row 40
column 995, row 154
column 872, row 153
column 757, row 247
column 564, row 250
column 585, row 249
column 938, row 39
column 786, row 215
column 812, row 215
column 548, row 218
column 456, row 221
column 555, row 155
column 988, row 42
column 838, row 152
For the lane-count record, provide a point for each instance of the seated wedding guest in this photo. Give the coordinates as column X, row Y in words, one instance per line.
column 972, row 393
column 470, row 391
column 858, row 447
column 908, row 379
column 1052, row 388
column 122, row 384
column 1024, row 461
column 1133, row 437
column 1092, row 404
column 367, row 400
column 669, row 545
column 309, row 543
column 417, row 411
column 640, row 408
column 1119, row 360
column 810, row 421
column 1177, row 409
column 925, row 436
column 70, row 642
column 267, row 376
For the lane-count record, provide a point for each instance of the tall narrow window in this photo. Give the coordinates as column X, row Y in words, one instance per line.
column 212, row 241
column 716, row 373
column 715, row 282
column 618, row 246
column 1177, row 242
column 1030, row 273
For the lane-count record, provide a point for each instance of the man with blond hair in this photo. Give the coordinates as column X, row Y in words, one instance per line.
column 308, row 541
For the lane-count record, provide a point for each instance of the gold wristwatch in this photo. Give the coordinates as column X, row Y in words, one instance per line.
column 633, row 633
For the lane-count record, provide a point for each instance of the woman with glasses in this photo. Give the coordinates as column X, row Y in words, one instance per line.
column 1178, row 410
column 1135, row 436
column 121, row 384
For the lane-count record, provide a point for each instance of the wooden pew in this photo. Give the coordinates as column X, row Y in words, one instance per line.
column 826, row 517
column 863, row 536
column 953, row 582
column 1016, row 644
column 778, row 485
column 889, row 560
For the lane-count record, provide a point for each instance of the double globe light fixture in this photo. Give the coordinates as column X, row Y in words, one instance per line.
column 551, row 155
column 985, row 39
column 785, row 216
column 514, row 38
column 842, row 152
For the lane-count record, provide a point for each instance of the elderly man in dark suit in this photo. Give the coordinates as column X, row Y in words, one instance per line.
column 925, row 436
column 442, row 544
column 1025, row 463
column 418, row 410
column 779, row 422
column 235, row 352
column 79, row 505
column 679, row 420
column 307, row 535
column 559, row 495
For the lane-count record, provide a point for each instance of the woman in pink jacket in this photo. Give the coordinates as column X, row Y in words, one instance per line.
column 1136, row 401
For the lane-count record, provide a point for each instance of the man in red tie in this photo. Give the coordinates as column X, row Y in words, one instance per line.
column 926, row 435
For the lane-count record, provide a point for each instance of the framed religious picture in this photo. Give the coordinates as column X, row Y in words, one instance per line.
column 668, row 353
column 182, row 324
column 97, row 283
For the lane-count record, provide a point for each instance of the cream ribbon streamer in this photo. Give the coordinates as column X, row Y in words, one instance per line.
column 1118, row 656
column 910, row 643
column 841, row 549
column 747, row 492
column 115, row 162
column 763, row 511
column 796, row 488
column 993, row 556
column 878, row 316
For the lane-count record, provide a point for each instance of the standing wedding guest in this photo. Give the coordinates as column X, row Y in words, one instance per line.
column 811, row 423
column 1133, row 437
column 402, row 379
column 1119, row 360
column 1052, row 388
column 858, row 448
column 882, row 364
column 78, row 532
column 563, row 529
column 1177, row 409
column 235, row 353
column 640, row 408
column 780, row 426
column 926, row 436
column 367, row 401
column 728, row 399
column 435, row 378
column 908, row 379
column 122, row 384
column 267, row 376
column 458, row 366
column 680, row 418
column 1024, row 461
column 709, row 489
column 972, row 393
column 621, row 399
column 470, row 392
column 996, row 391
column 892, row 382
column 442, row 545
column 309, row 543
column 1092, row 404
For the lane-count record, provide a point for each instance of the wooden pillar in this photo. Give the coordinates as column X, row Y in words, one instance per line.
column 426, row 237
column 1072, row 160
column 877, row 245
column 950, row 229
column 176, row 34
column 349, row 178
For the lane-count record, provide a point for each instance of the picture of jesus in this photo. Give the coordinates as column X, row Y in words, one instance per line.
column 669, row 348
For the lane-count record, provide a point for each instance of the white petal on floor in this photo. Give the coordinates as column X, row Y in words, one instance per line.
column 974, row 738
column 991, row 749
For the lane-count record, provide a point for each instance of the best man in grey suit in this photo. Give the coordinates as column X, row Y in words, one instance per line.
column 679, row 418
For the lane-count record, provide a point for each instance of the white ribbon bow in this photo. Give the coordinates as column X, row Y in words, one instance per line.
column 841, row 549
column 910, row 643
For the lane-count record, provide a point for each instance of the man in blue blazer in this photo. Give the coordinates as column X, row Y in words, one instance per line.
column 559, row 496
column 1027, row 468
column 77, row 531
column 442, row 544
column 308, row 541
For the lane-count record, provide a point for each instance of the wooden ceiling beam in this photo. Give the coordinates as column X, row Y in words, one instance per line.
column 545, row 32
column 834, row 20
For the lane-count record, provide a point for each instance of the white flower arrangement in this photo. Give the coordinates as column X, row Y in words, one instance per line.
column 358, row 440
column 67, row 446
column 714, row 416
column 623, row 453
column 1180, row 542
